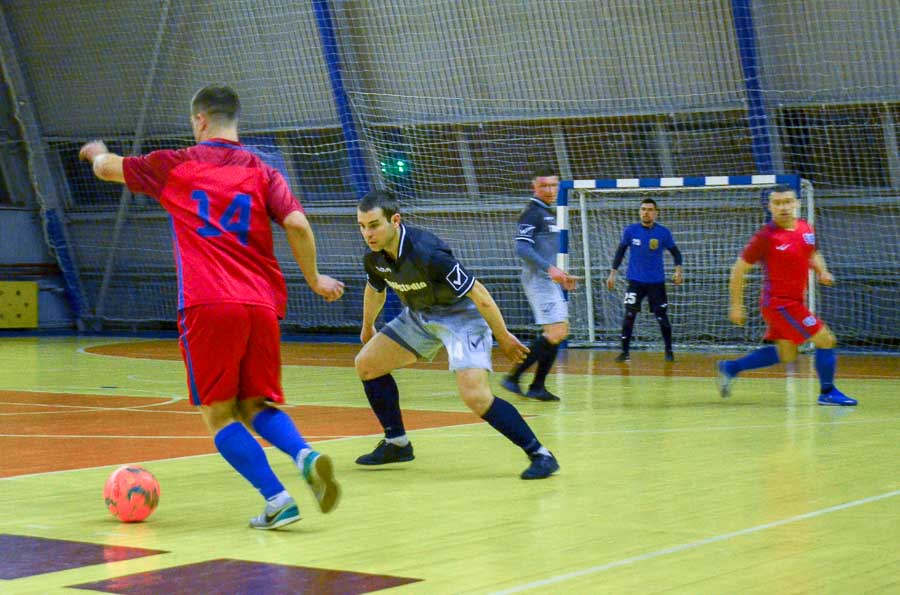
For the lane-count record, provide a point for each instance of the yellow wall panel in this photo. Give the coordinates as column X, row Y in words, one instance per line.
column 18, row 304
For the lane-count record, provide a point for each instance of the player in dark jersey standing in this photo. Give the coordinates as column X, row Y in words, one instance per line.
column 537, row 243
column 646, row 274
column 231, row 293
column 444, row 305
column 786, row 246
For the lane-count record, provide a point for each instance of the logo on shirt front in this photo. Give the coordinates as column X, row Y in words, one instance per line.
column 382, row 269
column 457, row 278
column 525, row 229
column 635, row 241
column 404, row 287
column 782, row 247
column 810, row 238
column 476, row 342
column 654, row 243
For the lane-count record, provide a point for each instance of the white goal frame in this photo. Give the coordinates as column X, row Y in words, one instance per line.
column 800, row 185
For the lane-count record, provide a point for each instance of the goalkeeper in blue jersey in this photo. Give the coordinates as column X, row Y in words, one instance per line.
column 646, row 274
column 537, row 241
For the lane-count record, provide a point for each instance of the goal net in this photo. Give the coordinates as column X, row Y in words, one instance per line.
column 711, row 219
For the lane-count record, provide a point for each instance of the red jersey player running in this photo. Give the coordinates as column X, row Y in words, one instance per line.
column 787, row 248
column 231, row 293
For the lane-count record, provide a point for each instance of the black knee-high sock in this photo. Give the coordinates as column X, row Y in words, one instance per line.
column 628, row 329
column 666, row 328
column 544, row 364
column 535, row 351
column 384, row 398
column 507, row 420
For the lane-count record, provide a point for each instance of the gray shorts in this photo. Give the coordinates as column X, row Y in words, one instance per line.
column 460, row 328
column 546, row 298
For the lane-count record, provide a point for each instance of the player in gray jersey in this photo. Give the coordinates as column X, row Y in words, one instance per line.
column 537, row 243
column 445, row 306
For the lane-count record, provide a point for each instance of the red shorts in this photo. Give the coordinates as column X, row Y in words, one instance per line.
column 231, row 351
column 790, row 322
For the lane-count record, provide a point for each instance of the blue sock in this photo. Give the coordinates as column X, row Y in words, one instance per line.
column 278, row 428
column 244, row 453
column 826, row 360
column 761, row 358
column 384, row 398
column 507, row 420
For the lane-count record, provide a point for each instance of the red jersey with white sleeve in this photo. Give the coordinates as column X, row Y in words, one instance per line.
column 221, row 198
column 785, row 257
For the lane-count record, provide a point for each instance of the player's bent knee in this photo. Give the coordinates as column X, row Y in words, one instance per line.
column 824, row 339
column 557, row 333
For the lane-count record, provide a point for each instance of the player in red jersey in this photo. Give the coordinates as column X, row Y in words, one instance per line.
column 231, row 293
column 786, row 247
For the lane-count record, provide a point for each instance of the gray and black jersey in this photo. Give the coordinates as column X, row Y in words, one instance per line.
column 425, row 275
column 537, row 230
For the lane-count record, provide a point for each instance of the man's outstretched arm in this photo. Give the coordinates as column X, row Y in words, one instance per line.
column 107, row 166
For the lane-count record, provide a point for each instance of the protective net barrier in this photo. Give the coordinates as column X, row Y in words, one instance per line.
column 453, row 104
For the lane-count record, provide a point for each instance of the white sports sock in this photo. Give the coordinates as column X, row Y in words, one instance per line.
column 398, row 441
column 278, row 500
column 301, row 457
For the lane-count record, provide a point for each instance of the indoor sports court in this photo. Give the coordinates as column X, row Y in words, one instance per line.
column 662, row 483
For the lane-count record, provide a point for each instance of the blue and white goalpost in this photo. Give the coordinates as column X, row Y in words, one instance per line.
column 711, row 218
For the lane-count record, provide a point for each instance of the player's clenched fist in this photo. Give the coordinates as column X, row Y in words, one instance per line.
column 91, row 149
column 329, row 288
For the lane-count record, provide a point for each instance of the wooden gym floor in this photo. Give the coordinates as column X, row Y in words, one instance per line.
column 664, row 486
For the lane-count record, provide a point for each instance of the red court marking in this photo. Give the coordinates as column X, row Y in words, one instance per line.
column 71, row 438
column 571, row 361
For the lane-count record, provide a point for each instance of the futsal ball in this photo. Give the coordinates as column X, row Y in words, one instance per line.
column 131, row 493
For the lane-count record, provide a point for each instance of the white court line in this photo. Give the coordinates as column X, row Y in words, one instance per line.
column 689, row 546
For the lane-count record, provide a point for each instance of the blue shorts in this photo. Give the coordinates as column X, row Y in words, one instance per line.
column 460, row 328
column 546, row 299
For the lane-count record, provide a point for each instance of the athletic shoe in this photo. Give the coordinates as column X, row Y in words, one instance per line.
column 386, row 452
column 511, row 384
column 542, row 466
column 541, row 394
column 272, row 519
column 724, row 380
column 318, row 471
column 670, row 357
column 623, row 358
column 836, row 397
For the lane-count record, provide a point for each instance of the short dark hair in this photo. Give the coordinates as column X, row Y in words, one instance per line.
column 219, row 103
column 782, row 188
column 544, row 172
column 379, row 199
column 649, row 200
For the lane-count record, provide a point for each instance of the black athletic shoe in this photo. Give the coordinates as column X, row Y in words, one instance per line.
column 670, row 357
column 542, row 466
column 386, row 452
column 541, row 394
column 511, row 385
column 623, row 358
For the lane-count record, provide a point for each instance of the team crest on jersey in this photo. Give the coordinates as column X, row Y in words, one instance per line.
column 457, row 278
column 810, row 238
column 635, row 241
column 654, row 243
column 809, row 321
